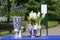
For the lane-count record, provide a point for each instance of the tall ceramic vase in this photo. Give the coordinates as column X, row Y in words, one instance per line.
column 17, row 21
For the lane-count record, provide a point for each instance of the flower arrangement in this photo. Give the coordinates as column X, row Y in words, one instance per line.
column 35, row 17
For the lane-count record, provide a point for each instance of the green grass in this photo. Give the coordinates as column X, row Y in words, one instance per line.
column 50, row 24
column 4, row 33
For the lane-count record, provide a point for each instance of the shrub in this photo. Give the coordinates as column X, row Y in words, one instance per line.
column 17, row 13
column 6, row 26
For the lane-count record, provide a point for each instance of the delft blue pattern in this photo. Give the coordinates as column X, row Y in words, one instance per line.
column 17, row 22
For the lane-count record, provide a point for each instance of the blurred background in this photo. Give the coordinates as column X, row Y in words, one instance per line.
column 11, row 8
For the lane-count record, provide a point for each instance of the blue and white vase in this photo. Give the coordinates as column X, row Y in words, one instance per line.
column 33, row 33
column 17, row 22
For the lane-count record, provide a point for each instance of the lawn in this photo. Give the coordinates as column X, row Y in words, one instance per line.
column 50, row 24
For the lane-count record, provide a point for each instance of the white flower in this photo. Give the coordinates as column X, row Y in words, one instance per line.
column 38, row 14
column 32, row 15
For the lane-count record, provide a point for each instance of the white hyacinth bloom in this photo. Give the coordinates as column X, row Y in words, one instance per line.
column 38, row 14
column 32, row 15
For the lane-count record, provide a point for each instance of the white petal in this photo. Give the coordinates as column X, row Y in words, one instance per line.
column 38, row 14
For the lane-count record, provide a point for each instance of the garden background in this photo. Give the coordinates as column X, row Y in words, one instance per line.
column 6, row 11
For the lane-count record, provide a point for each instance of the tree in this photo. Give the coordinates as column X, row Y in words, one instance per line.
column 3, row 7
column 53, row 10
column 33, row 5
column 20, row 2
column 8, row 8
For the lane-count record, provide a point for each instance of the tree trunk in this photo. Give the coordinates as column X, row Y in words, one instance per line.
column 8, row 9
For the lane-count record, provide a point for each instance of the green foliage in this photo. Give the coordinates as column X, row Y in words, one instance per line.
column 53, row 15
column 53, row 10
column 38, row 1
column 24, row 23
column 6, row 26
column 33, row 5
column 18, row 13
column 2, row 12
column 13, row 3
column 53, row 7
column 3, row 7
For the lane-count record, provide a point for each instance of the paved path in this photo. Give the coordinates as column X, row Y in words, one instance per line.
column 52, row 31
